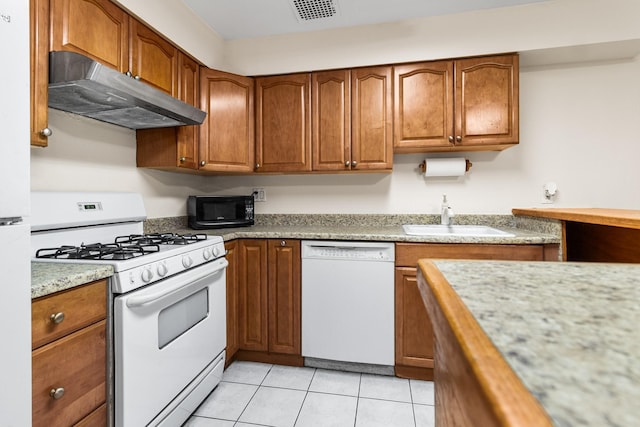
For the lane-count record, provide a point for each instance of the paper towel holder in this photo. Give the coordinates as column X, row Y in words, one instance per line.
column 423, row 166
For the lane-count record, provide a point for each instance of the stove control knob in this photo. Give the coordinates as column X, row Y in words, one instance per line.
column 162, row 269
column 206, row 254
column 216, row 251
column 187, row 261
column 146, row 275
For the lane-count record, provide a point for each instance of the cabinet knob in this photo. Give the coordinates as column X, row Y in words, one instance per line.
column 450, row 138
column 347, row 163
column 458, row 138
column 257, row 165
column 202, row 163
column 354, row 163
column 136, row 77
column 56, row 393
column 57, row 318
column 283, row 243
column 46, row 132
column 128, row 74
column 183, row 159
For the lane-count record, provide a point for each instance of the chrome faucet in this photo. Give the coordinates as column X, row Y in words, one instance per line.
column 446, row 212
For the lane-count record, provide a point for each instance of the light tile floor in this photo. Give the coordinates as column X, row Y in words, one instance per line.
column 259, row 394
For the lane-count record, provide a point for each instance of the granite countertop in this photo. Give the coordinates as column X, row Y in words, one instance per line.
column 568, row 331
column 48, row 277
column 369, row 233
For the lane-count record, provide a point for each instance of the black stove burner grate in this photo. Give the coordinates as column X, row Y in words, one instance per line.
column 161, row 239
column 98, row 251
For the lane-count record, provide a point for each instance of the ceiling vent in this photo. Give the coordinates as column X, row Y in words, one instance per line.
column 308, row 10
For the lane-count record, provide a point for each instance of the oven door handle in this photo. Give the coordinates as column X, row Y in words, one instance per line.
column 139, row 301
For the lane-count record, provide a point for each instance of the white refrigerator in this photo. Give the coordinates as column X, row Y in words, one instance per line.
column 15, row 265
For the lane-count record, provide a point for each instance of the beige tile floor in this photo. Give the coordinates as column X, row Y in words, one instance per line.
column 259, row 394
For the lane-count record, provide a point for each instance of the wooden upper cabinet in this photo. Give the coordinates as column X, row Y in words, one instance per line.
column 227, row 142
column 423, row 113
column 372, row 118
column 152, row 59
column 174, row 148
column 95, row 28
column 39, row 55
column 188, row 91
column 331, row 140
column 487, row 95
column 283, row 123
column 466, row 104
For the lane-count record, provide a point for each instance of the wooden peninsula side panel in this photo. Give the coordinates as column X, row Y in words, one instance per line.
column 474, row 385
column 594, row 234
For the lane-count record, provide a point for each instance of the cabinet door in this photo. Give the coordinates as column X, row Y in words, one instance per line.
column 232, row 300
column 284, row 296
column 252, row 295
column 414, row 334
column 39, row 53
column 95, row 28
column 227, row 141
column 331, row 142
column 487, row 103
column 152, row 59
column 372, row 118
column 423, row 107
column 77, row 364
column 188, row 91
column 283, row 123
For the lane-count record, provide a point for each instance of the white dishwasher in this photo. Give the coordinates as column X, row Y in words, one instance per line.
column 348, row 301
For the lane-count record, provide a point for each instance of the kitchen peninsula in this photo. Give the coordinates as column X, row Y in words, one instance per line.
column 534, row 343
column 595, row 234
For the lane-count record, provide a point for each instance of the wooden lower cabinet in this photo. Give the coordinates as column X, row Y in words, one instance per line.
column 414, row 332
column 232, row 301
column 269, row 301
column 69, row 357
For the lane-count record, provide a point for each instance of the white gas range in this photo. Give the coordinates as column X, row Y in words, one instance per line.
column 167, row 301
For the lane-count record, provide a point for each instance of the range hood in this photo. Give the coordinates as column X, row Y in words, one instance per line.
column 82, row 86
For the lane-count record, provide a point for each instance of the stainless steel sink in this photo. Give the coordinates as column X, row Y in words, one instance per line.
column 454, row 230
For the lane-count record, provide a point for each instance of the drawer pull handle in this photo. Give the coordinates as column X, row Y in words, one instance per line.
column 57, row 318
column 56, row 393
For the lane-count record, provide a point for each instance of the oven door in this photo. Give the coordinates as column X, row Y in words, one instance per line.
column 165, row 336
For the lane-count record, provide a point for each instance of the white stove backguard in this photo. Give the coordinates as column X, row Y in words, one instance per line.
column 59, row 210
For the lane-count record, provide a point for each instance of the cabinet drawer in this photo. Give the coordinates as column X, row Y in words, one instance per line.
column 97, row 418
column 76, row 363
column 408, row 254
column 81, row 306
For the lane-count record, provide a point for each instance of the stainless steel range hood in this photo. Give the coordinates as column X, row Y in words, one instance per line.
column 80, row 85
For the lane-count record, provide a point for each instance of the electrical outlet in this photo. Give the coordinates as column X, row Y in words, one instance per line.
column 259, row 194
column 549, row 193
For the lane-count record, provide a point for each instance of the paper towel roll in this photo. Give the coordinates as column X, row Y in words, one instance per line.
column 445, row 167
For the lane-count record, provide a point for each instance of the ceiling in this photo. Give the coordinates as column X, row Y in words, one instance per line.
column 239, row 19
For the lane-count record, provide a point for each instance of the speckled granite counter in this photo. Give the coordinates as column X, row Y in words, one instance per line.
column 47, row 278
column 568, row 330
column 370, row 228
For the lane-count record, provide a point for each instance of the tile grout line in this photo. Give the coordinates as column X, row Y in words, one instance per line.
column 413, row 407
column 306, row 394
column 355, row 420
column 253, row 395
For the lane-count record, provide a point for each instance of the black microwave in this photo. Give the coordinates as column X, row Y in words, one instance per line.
column 206, row 212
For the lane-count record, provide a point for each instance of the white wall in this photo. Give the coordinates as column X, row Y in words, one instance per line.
column 576, row 128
